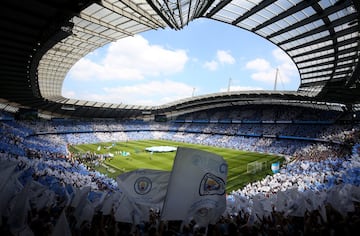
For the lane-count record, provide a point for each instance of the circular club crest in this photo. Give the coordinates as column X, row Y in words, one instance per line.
column 142, row 185
column 203, row 212
column 223, row 168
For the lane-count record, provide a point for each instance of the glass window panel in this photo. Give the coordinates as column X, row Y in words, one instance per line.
column 80, row 102
column 83, row 24
column 348, row 36
column 303, row 29
column 139, row 28
column 234, row 9
column 342, row 69
column 245, row 4
column 289, row 45
column 306, row 39
column 111, row 17
column 316, row 68
column 280, row 24
column 347, row 54
column 285, row 4
column 313, row 56
column 309, row 11
column 352, row 45
column 258, row 18
column 127, row 24
column 263, row 32
column 233, row 14
column 274, row 8
column 101, row 13
column 92, row 27
column 267, row 14
column 268, row 30
column 299, row 16
column 277, row 26
column 345, row 62
column 316, row 74
column 299, row 31
column 120, row 20
column 92, row 9
column 221, row 18
column 326, row 3
column 310, row 48
column 304, row 81
column 278, row 38
column 245, row 26
column 338, row 76
column 338, row 15
column 341, row 27
column 250, row 22
column 290, row 20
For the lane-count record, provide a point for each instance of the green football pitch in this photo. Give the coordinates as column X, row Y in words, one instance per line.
column 139, row 158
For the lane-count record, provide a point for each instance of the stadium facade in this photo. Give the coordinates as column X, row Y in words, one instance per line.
column 314, row 126
column 42, row 40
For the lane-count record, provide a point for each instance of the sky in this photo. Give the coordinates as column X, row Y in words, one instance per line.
column 161, row 66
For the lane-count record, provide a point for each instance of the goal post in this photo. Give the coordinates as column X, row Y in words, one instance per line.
column 256, row 166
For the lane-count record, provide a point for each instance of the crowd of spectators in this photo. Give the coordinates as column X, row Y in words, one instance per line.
column 42, row 188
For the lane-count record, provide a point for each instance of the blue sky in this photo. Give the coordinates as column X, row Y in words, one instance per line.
column 160, row 66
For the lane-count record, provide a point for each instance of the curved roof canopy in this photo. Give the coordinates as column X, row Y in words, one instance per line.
column 42, row 39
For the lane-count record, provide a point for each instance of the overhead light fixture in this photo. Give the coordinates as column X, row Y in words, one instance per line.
column 68, row 107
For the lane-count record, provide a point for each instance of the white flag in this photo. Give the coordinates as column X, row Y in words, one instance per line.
column 109, row 202
column 125, row 210
column 19, row 210
column 196, row 187
column 9, row 191
column 6, row 169
column 62, row 226
column 145, row 189
column 80, row 196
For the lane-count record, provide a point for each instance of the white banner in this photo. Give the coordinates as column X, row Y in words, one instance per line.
column 196, row 187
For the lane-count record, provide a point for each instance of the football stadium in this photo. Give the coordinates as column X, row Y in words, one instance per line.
column 255, row 162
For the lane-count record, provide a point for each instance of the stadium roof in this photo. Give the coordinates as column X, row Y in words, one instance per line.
column 42, row 39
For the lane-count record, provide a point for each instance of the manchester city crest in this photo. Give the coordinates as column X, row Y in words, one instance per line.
column 202, row 212
column 211, row 185
column 142, row 185
column 223, row 168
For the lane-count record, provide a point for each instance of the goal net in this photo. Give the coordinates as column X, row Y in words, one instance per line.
column 256, row 166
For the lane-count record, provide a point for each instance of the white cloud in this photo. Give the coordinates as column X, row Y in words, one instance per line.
column 258, row 64
column 244, row 88
column 150, row 93
column 280, row 55
column 287, row 69
column 68, row 94
column 211, row 65
column 222, row 57
column 264, row 71
column 267, row 76
column 241, row 88
column 85, row 70
column 225, row 57
column 131, row 58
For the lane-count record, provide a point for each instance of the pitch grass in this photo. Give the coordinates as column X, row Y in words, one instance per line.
column 140, row 158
